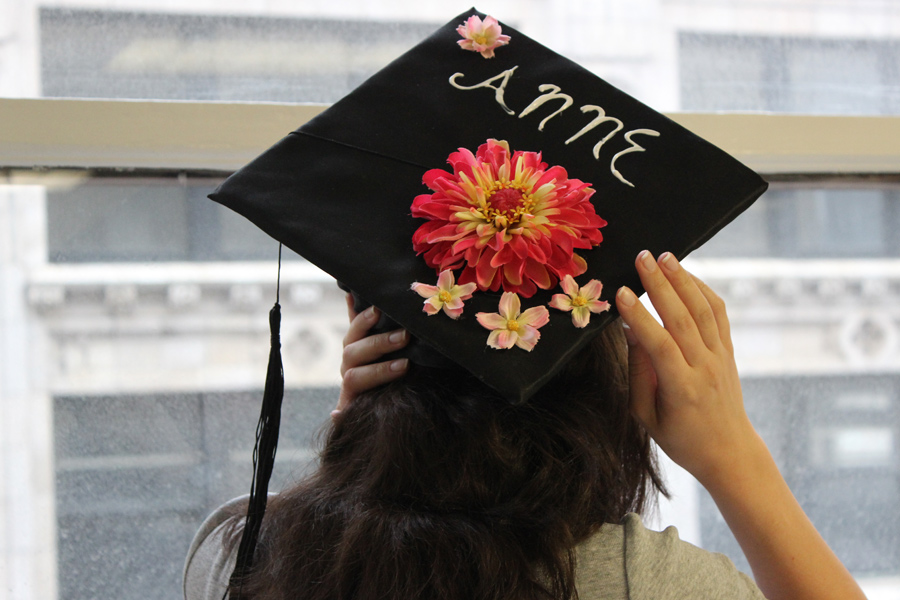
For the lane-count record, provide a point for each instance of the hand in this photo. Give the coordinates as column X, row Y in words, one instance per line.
column 686, row 393
column 359, row 371
column 685, row 389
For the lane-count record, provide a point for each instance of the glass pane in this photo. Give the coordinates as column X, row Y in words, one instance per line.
column 136, row 474
column 113, row 54
column 789, row 74
column 814, row 221
column 126, row 219
column 134, row 341
column 811, row 57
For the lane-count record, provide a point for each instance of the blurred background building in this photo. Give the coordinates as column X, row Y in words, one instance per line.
column 133, row 331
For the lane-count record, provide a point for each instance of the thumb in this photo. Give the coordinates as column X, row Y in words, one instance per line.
column 642, row 383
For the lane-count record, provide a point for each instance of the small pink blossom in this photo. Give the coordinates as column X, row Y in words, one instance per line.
column 481, row 36
column 513, row 328
column 581, row 301
column 445, row 295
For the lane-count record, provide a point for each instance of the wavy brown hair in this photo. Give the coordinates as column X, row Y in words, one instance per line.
column 435, row 487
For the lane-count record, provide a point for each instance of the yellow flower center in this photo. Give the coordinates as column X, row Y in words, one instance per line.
column 512, row 325
column 445, row 296
column 506, row 204
column 579, row 301
column 481, row 39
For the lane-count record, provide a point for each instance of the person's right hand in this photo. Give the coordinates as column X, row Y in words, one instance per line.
column 684, row 383
column 359, row 371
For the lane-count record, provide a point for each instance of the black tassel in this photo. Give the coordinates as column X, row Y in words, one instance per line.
column 263, row 451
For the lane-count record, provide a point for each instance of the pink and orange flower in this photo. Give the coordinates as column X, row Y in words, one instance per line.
column 581, row 301
column 511, row 327
column 481, row 36
column 446, row 295
column 506, row 220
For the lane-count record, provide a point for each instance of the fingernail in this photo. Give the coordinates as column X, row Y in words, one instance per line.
column 626, row 296
column 397, row 336
column 647, row 261
column 399, row 364
column 371, row 313
column 668, row 260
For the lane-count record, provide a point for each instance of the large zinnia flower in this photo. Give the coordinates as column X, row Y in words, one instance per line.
column 505, row 220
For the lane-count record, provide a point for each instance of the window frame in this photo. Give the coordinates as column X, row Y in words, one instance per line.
column 223, row 136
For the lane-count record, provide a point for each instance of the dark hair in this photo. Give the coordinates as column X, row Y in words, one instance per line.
column 436, row 487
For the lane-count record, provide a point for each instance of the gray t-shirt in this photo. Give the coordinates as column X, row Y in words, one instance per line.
column 620, row 562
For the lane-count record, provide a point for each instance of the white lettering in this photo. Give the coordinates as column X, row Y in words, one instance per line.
column 635, row 147
column 552, row 92
column 499, row 91
column 600, row 118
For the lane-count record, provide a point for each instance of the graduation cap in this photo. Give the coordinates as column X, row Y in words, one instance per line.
column 553, row 173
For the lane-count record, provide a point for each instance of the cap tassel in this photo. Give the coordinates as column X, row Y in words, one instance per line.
column 264, row 449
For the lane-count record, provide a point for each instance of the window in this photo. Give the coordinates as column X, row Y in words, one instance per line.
column 122, row 349
column 133, row 54
column 809, row 75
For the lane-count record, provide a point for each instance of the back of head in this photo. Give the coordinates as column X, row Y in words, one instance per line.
column 436, row 487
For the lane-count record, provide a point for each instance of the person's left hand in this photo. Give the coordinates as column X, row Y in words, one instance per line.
column 359, row 371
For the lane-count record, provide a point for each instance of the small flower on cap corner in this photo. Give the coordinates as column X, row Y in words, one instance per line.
column 481, row 36
column 581, row 301
column 446, row 295
column 510, row 327
column 507, row 219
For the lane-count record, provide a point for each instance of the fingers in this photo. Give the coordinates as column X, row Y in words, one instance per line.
column 359, row 379
column 718, row 308
column 665, row 355
column 369, row 349
column 676, row 317
column 693, row 298
column 351, row 314
column 360, row 370
column 642, row 383
column 360, row 324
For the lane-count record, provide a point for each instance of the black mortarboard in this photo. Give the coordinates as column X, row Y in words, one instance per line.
column 339, row 191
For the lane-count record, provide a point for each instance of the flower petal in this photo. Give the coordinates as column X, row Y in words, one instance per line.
column 528, row 337
column 510, row 305
column 465, row 291
column 569, row 286
column 432, row 306
column 504, row 339
column 424, row 290
column 561, row 302
column 446, row 280
column 452, row 311
column 491, row 321
column 592, row 290
column 597, row 306
column 536, row 316
column 455, row 304
column 581, row 316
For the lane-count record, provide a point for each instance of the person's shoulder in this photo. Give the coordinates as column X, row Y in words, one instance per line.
column 660, row 565
column 600, row 569
column 209, row 563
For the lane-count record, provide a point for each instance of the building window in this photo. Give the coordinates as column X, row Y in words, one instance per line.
column 789, row 75
column 112, row 54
